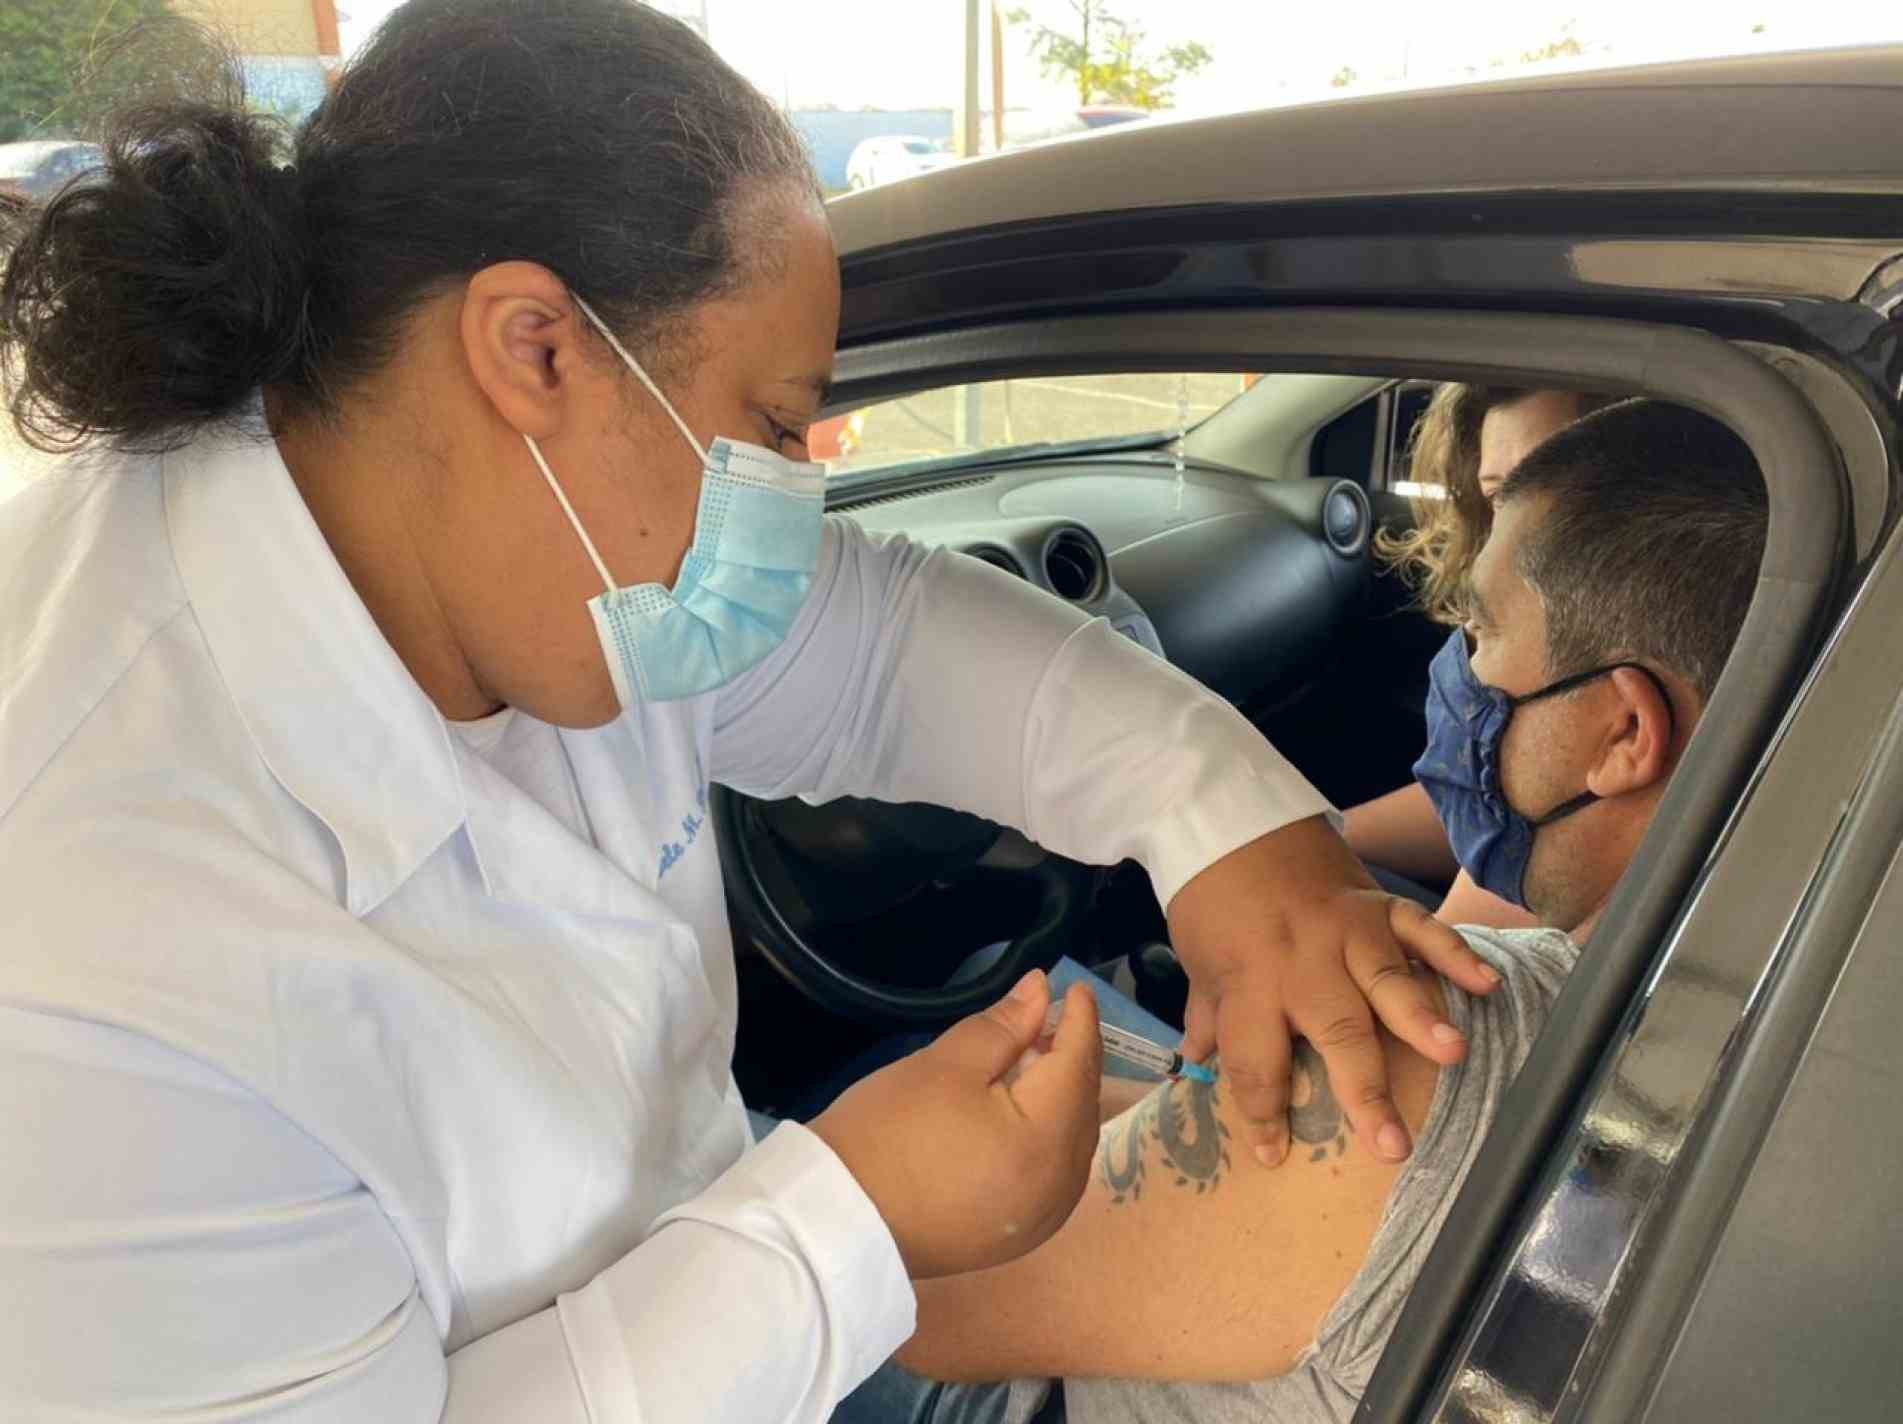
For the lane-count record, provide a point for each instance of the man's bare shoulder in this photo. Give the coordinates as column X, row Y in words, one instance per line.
column 1179, row 1135
column 1186, row 1259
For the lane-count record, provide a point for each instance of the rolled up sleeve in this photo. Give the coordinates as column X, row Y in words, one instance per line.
column 919, row 674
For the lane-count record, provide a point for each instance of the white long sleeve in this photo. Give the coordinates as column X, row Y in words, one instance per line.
column 348, row 1076
column 923, row 675
column 767, row 1297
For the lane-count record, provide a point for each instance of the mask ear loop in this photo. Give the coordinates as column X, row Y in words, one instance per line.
column 1586, row 798
column 1580, row 679
column 541, row 464
column 569, row 509
column 637, row 727
column 646, row 380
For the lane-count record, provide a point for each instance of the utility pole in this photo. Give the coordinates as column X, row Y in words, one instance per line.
column 997, row 79
column 967, row 418
column 965, row 119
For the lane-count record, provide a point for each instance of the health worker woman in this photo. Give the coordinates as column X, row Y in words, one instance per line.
column 434, row 527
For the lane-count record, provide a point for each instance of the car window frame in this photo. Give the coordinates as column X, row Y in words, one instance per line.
column 1807, row 557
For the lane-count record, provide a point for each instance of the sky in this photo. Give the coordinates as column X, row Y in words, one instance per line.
column 908, row 53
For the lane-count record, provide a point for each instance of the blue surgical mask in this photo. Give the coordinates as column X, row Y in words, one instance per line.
column 1460, row 770
column 744, row 580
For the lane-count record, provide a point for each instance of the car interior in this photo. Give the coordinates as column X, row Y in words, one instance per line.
column 1243, row 552
column 1246, row 558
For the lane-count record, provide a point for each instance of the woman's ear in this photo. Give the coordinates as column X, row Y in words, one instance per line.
column 1638, row 745
column 520, row 334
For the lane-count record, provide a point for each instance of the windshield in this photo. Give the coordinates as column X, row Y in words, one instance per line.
column 995, row 419
column 918, row 145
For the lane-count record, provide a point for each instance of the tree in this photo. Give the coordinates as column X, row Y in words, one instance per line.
column 1342, row 78
column 1567, row 46
column 64, row 63
column 1110, row 59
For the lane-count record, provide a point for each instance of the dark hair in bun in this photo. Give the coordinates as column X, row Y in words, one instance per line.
column 214, row 253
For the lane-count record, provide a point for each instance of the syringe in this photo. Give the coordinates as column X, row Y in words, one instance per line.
column 1135, row 1048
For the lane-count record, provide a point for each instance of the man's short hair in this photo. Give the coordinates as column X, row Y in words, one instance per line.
column 1651, row 544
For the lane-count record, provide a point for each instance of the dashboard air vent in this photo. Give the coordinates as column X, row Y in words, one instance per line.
column 998, row 558
column 1074, row 565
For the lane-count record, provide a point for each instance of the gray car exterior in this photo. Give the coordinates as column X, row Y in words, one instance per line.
column 1685, row 1209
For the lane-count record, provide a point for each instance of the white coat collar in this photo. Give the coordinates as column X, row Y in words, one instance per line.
column 326, row 700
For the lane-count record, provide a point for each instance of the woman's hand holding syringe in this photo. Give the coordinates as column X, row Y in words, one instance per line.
column 1135, row 1049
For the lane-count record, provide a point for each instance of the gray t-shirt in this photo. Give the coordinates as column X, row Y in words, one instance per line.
column 1328, row 1382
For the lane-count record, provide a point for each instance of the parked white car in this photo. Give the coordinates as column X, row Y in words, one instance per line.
column 894, row 156
column 37, row 168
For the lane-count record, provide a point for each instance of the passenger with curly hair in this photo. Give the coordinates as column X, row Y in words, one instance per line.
column 1463, row 447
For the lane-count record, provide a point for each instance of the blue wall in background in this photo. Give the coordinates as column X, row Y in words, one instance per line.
column 831, row 135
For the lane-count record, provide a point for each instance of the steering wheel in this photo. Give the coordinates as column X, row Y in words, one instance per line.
column 796, row 872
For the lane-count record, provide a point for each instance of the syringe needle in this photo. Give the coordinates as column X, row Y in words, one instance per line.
column 1134, row 1048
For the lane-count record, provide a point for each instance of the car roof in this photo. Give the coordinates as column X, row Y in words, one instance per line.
column 1811, row 121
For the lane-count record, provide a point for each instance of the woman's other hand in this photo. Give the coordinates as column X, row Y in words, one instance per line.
column 972, row 1157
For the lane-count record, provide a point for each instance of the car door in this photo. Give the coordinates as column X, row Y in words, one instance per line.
column 1576, row 1253
column 1716, row 901
column 1475, row 1325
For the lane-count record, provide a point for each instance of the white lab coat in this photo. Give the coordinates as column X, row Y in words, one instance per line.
column 352, row 1069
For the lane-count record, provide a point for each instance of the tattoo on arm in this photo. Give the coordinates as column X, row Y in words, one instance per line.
column 1314, row 1117
column 1176, row 1130
column 1179, row 1121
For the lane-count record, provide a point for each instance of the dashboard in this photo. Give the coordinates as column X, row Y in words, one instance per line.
column 1254, row 587
column 1241, row 582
